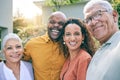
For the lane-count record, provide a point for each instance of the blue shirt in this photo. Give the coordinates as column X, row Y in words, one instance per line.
column 105, row 64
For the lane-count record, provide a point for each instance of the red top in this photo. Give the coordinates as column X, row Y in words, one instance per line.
column 76, row 68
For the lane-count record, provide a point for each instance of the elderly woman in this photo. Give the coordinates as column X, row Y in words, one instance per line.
column 13, row 68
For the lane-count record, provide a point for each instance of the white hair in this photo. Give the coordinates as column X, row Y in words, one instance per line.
column 103, row 3
column 10, row 36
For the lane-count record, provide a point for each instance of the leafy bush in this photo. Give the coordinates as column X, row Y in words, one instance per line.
column 116, row 6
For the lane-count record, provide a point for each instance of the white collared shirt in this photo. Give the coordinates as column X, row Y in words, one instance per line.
column 105, row 64
column 24, row 73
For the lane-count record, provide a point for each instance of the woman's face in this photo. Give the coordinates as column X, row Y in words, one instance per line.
column 13, row 51
column 73, row 37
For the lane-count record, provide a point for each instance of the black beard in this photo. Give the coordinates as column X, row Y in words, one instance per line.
column 59, row 37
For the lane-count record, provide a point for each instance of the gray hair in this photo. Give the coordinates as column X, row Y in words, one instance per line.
column 8, row 37
column 103, row 3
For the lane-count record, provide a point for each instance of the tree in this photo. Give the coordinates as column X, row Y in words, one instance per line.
column 26, row 28
column 116, row 6
column 18, row 24
column 58, row 3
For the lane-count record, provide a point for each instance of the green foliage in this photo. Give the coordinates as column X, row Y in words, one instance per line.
column 26, row 29
column 116, row 6
column 58, row 3
column 18, row 23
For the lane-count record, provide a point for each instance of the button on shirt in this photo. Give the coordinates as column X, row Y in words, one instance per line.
column 105, row 64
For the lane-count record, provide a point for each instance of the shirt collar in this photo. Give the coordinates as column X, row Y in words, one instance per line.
column 113, row 38
column 47, row 39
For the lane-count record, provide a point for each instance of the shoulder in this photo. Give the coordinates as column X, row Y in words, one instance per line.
column 1, row 64
column 84, row 54
column 37, row 40
column 28, row 66
column 26, row 63
column 84, row 57
column 1, row 68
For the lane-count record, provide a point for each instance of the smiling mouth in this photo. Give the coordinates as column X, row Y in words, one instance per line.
column 15, row 56
column 55, row 31
column 72, row 43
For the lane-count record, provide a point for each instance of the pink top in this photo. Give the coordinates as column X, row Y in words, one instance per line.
column 76, row 68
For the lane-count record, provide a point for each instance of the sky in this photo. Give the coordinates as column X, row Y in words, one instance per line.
column 26, row 7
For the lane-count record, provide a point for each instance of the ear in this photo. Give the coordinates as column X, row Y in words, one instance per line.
column 115, row 16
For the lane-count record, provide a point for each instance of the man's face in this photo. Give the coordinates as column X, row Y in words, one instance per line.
column 55, row 26
column 100, row 22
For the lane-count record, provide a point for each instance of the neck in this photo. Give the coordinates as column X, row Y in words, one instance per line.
column 73, row 53
column 13, row 66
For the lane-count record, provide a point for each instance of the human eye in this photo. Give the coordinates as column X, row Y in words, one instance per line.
column 67, row 34
column 77, row 33
column 9, row 48
column 18, row 46
column 61, row 23
column 52, row 21
column 97, row 15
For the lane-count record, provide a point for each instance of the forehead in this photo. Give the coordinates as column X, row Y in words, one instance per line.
column 72, row 27
column 12, row 40
column 57, row 17
column 92, row 9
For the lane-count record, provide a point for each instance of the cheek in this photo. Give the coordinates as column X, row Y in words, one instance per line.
column 109, row 20
column 80, row 39
column 49, row 25
column 6, row 52
column 65, row 39
column 6, row 55
column 109, row 26
column 21, row 51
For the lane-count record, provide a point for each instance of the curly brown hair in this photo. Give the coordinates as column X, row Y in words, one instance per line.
column 89, row 42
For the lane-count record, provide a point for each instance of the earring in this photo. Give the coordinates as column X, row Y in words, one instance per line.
column 63, row 42
column 82, row 41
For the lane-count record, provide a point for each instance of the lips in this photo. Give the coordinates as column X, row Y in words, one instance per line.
column 15, row 56
column 72, row 43
column 55, row 32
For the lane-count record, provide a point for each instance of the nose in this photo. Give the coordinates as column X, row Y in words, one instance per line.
column 15, row 50
column 93, row 22
column 56, row 24
column 72, row 37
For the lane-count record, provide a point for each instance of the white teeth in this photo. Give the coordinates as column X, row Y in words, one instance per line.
column 72, row 43
column 55, row 30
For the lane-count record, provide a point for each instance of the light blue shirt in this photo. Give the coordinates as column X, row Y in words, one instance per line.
column 105, row 64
